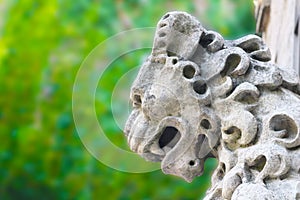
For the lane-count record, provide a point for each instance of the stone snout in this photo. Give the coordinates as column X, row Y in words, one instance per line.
column 167, row 124
column 181, row 150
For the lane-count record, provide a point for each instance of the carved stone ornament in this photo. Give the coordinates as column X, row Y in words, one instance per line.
column 198, row 96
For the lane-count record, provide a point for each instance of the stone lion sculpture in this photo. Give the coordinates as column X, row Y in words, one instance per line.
column 198, row 96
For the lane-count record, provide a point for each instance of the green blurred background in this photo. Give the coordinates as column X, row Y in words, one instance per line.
column 42, row 45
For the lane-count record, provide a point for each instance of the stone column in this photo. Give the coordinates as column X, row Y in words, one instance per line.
column 278, row 21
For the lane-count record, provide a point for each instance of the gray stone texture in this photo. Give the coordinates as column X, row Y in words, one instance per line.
column 198, row 96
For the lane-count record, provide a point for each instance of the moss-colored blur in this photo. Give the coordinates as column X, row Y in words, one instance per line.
column 42, row 44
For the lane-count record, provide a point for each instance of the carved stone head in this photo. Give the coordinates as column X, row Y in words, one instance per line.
column 198, row 96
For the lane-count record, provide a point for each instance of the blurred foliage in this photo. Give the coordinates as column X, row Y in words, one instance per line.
column 42, row 44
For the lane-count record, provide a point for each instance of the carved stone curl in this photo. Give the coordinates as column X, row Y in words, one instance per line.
column 198, row 96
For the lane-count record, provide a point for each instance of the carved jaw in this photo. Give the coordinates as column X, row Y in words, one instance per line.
column 181, row 144
column 174, row 142
column 187, row 165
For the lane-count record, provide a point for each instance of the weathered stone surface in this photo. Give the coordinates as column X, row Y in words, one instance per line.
column 200, row 96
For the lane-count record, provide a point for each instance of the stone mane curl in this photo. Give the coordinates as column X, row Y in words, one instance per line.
column 198, row 96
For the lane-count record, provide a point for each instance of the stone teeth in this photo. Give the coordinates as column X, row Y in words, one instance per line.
column 156, row 150
column 133, row 144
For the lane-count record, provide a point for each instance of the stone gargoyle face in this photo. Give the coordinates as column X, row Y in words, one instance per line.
column 198, row 95
column 197, row 91
column 172, row 121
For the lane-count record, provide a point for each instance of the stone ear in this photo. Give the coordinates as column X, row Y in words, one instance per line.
column 254, row 46
column 245, row 93
column 285, row 130
column 177, row 34
column 211, row 40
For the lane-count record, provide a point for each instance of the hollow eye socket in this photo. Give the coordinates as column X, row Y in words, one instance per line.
column 169, row 137
column 188, row 71
column 137, row 100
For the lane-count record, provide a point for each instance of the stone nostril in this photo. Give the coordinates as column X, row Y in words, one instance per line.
column 137, row 100
column 174, row 61
column 205, row 124
column 192, row 163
